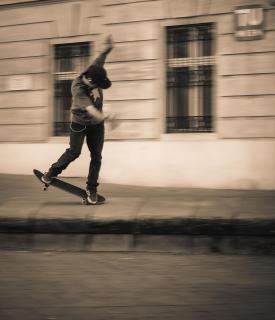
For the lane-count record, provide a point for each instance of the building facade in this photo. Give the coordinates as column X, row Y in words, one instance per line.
column 193, row 88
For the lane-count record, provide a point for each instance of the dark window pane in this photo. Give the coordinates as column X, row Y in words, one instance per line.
column 62, row 106
column 177, row 43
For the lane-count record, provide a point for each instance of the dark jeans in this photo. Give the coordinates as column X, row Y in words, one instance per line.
column 95, row 140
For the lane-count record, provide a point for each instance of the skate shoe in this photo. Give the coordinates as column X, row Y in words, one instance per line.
column 46, row 178
column 94, row 198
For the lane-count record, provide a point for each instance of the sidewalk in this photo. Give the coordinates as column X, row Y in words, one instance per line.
column 137, row 212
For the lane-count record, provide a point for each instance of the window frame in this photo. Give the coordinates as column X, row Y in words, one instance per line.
column 162, row 86
column 92, row 40
column 63, row 80
column 187, row 76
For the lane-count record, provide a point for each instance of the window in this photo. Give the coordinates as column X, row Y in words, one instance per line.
column 190, row 62
column 69, row 61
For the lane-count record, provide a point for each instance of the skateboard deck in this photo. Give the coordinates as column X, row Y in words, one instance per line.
column 67, row 187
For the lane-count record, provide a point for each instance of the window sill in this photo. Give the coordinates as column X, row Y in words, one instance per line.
column 200, row 136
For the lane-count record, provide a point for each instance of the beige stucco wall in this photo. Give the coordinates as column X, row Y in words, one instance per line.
column 244, row 91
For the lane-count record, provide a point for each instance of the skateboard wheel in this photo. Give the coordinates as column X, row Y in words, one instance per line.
column 84, row 201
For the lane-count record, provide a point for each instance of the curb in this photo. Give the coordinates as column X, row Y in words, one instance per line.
column 184, row 226
column 184, row 236
column 177, row 244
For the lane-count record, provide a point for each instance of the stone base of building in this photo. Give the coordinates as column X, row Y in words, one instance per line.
column 221, row 164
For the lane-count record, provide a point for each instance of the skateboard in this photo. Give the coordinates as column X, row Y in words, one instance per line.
column 67, row 187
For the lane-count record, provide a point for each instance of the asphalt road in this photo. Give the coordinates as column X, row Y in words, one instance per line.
column 66, row 285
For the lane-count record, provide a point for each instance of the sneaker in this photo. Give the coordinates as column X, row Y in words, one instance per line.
column 46, row 178
column 94, row 198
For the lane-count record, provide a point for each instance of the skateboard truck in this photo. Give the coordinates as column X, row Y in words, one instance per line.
column 46, row 186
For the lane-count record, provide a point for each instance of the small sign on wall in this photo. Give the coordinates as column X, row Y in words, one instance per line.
column 19, row 82
column 249, row 22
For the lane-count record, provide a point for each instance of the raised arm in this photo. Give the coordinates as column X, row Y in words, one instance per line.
column 100, row 60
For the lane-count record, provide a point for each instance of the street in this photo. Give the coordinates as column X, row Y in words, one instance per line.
column 80, row 285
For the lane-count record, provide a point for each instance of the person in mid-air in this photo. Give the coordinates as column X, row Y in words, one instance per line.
column 87, row 120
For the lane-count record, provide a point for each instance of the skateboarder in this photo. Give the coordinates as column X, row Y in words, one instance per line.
column 87, row 120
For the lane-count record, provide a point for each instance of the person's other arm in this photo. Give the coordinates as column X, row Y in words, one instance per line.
column 99, row 116
column 82, row 102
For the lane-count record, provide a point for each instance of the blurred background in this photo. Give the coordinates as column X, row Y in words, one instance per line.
column 193, row 88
